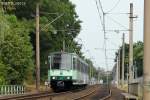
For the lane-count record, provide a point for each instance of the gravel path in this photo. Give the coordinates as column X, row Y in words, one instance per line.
column 116, row 94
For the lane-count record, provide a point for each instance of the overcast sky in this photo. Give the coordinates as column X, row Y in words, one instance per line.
column 92, row 35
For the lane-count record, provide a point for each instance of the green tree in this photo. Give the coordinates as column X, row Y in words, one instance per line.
column 3, row 72
column 16, row 50
column 137, row 55
column 66, row 27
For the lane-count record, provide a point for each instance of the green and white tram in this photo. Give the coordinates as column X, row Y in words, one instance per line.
column 67, row 70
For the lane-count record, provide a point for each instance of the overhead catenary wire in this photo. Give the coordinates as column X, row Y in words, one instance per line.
column 99, row 13
column 101, row 6
column 114, row 44
column 123, row 28
column 103, row 13
column 45, row 27
column 117, row 13
column 103, row 25
column 117, row 23
column 104, row 28
column 101, row 20
column 105, row 39
column 114, row 6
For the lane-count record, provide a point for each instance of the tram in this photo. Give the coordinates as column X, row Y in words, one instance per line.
column 67, row 71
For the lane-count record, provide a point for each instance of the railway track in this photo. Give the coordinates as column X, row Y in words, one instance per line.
column 83, row 96
column 78, row 94
column 107, row 97
column 99, row 93
column 34, row 96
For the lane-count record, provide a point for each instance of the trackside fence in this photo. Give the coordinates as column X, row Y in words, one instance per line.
column 11, row 89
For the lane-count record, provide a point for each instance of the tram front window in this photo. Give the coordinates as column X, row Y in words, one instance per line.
column 61, row 61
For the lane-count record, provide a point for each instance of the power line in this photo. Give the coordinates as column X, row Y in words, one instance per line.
column 102, row 21
column 112, row 42
column 45, row 27
column 116, row 30
column 65, row 30
column 114, row 6
column 101, row 6
column 105, row 39
column 117, row 23
column 99, row 13
column 103, row 25
column 117, row 13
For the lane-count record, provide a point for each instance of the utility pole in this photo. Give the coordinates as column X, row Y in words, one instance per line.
column 90, row 74
column 37, row 50
column 99, row 74
column 123, row 56
column 146, row 73
column 117, row 72
column 119, row 67
column 131, row 43
column 105, row 40
column 64, row 45
column 128, row 76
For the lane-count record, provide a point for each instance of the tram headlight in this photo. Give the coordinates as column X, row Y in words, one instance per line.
column 53, row 77
column 68, row 77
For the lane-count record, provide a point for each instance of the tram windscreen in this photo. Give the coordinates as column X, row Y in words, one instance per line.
column 61, row 61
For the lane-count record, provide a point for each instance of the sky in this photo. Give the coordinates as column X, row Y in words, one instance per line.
column 116, row 18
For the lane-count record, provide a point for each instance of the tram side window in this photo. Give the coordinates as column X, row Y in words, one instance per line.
column 82, row 67
column 78, row 65
column 49, row 62
column 74, row 64
column 86, row 69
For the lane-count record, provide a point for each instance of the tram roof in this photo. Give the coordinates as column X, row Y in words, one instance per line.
column 52, row 53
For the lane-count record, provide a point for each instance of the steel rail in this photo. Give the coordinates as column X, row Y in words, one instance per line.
column 33, row 96
column 83, row 96
column 106, row 97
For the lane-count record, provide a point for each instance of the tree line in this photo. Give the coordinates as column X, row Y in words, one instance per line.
column 138, row 53
column 17, row 37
